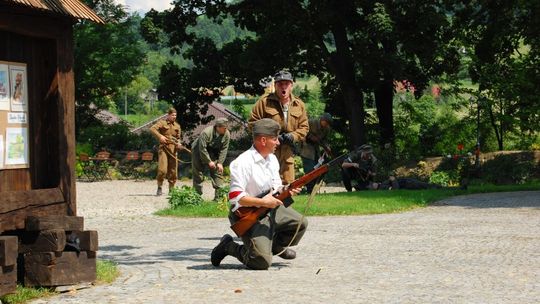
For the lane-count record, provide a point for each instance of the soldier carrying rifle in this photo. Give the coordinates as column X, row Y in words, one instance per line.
column 319, row 128
column 167, row 131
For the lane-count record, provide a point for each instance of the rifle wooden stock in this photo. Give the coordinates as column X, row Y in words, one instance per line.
column 248, row 216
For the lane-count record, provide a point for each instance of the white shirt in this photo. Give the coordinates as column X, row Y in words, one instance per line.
column 251, row 175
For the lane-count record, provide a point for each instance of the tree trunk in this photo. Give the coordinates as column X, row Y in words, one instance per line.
column 384, row 96
column 342, row 65
column 493, row 121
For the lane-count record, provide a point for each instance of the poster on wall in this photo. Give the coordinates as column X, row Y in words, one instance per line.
column 4, row 88
column 16, row 117
column 16, row 146
column 19, row 89
column 1, row 151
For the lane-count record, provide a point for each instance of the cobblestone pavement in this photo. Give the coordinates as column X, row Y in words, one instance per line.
column 481, row 248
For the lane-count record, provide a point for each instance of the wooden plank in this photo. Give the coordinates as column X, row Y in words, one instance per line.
column 42, row 241
column 68, row 223
column 8, row 279
column 24, row 22
column 14, row 200
column 16, row 219
column 8, row 250
column 14, row 180
column 66, row 116
column 88, row 240
column 46, row 269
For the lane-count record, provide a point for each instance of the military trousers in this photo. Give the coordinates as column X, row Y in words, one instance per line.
column 268, row 237
column 285, row 156
column 198, row 169
column 166, row 168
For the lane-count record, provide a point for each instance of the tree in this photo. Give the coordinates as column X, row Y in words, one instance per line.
column 107, row 59
column 354, row 47
column 503, row 41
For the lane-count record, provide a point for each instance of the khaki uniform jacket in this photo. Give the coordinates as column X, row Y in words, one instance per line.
column 310, row 149
column 269, row 106
column 210, row 141
column 169, row 130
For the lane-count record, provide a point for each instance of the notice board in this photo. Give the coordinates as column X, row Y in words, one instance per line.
column 14, row 141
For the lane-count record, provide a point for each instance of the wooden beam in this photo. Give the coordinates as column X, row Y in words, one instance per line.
column 16, row 219
column 64, row 222
column 8, row 250
column 46, row 269
column 8, row 279
column 66, row 117
column 25, row 23
column 88, row 240
column 43, row 241
column 15, row 200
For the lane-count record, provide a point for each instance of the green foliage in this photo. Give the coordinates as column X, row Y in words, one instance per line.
column 116, row 137
column 508, row 169
column 184, row 197
column 25, row 294
column 108, row 57
column 106, row 271
column 222, row 196
column 425, row 128
column 441, row 178
column 456, row 168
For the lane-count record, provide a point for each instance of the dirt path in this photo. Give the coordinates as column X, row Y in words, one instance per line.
column 469, row 249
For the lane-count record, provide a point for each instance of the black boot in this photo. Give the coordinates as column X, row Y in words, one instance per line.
column 159, row 191
column 220, row 251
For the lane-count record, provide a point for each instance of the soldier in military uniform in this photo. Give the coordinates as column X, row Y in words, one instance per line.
column 209, row 151
column 252, row 173
column 393, row 183
column 359, row 167
column 167, row 131
column 290, row 112
column 319, row 128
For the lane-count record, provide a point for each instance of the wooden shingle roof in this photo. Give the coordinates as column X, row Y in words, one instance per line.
column 71, row 8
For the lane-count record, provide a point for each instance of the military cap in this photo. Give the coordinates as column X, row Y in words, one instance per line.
column 221, row 122
column 171, row 110
column 327, row 117
column 365, row 148
column 283, row 75
column 266, row 126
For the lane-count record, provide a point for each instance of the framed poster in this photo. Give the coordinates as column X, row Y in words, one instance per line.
column 17, row 147
column 4, row 87
column 1, row 151
column 19, row 88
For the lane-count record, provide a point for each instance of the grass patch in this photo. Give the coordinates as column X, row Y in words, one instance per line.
column 25, row 294
column 106, row 271
column 358, row 203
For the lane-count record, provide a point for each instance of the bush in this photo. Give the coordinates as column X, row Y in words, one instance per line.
column 508, row 169
column 440, row 178
column 184, row 196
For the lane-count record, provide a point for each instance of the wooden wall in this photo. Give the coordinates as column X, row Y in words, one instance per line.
column 45, row 44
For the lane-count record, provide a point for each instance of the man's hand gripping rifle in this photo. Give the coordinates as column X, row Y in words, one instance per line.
column 172, row 140
column 248, row 216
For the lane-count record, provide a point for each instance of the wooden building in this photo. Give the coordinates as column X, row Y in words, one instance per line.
column 37, row 133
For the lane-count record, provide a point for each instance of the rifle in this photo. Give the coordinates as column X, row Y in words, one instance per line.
column 248, row 216
column 314, row 139
column 172, row 140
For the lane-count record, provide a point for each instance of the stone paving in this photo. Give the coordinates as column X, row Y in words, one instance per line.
column 482, row 248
